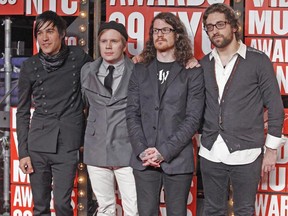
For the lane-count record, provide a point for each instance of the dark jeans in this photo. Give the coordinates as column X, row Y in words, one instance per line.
column 62, row 168
column 244, row 180
column 148, row 186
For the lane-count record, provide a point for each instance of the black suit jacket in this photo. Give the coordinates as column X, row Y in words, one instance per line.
column 56, row 97
column 167, row 122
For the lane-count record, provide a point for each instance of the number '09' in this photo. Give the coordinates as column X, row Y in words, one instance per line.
column 12, row 2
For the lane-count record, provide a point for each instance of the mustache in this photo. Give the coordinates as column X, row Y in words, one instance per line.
column 160, row 39
column 216, row 35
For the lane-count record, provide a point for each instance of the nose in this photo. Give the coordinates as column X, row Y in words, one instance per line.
column 44, row 36
column 108, row 45
column 215, row 30
column 159, row 32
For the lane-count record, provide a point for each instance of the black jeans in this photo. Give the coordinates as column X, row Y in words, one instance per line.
column 244, row 180
column 148, row 186
column 61, row 167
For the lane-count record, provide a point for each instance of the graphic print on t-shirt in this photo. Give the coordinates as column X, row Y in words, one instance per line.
column 162, row 76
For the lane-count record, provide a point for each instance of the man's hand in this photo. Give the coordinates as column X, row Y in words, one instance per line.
column 151, row 157
column 193, row 62
column 137, row 59
column 26, row 166
column 269, row 162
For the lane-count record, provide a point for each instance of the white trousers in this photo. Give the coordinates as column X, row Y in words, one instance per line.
column 103, row 185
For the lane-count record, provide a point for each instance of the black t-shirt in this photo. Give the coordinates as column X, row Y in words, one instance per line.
column 163, row 71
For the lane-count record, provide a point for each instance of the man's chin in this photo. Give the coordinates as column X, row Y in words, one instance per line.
column 46, row 51
column 161, row 49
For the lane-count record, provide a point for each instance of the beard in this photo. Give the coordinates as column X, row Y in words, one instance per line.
column 221, row 43
column 162, row 45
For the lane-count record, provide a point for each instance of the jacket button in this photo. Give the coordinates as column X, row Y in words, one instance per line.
column 157, row 108
column 154, row 127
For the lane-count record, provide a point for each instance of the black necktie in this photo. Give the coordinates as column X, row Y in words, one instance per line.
column 109, row 78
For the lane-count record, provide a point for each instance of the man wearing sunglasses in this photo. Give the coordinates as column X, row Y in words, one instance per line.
column 239, row 83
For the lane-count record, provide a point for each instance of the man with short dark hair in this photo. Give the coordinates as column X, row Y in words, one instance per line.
column 239, row 83
column 48, row 147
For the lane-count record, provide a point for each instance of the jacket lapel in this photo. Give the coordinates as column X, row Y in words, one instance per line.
column 121, row 91
column 152, row 70
column 93, row 83
column 212, row 73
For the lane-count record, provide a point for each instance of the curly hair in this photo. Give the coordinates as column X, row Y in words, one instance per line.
column 229, row 15
column 183, row 49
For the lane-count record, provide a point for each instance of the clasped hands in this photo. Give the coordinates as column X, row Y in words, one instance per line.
column 151, row 157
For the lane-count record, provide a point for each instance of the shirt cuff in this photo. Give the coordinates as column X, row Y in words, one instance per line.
column 274, row 142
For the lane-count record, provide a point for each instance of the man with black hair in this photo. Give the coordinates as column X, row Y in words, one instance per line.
column 48, row 146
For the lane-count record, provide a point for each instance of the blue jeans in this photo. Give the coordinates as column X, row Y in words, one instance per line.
column 244, row 180
column 148, row 186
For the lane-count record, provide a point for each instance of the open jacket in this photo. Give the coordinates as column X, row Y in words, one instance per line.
column 168, row 121
column 106, row 141
column 238, row 118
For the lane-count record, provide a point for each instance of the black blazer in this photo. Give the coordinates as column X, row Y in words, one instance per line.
column 167, row 122
column 56, row 97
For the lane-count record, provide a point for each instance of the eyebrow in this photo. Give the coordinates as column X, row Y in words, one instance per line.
column 47, row 28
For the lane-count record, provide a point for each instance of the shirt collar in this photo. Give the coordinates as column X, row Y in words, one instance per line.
column 117, row 65
column 241, row 51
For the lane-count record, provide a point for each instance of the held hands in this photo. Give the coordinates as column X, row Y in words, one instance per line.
column 269, row 162
column 151, row 157
column 26, row 166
